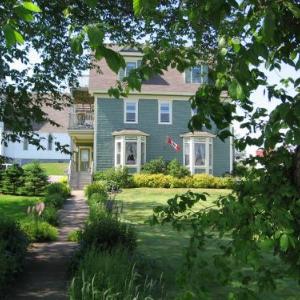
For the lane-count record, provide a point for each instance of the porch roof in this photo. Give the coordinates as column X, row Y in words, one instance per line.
column 198, row 134
column 129, row 132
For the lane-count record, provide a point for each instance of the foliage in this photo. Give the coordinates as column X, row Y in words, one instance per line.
column 35, row 180
column 195, row 181
column 95, row 187
column 39, row 231
column 58, row 169
column 73, row 236
column 118, row 175
column 13, row 247
column 12, row 180
column 105, row 232
column 155, row 166
column 50, row 215
column 54, row 200
column 98, row 198
column 175, row 169
column 58, row 188
column 111, row 275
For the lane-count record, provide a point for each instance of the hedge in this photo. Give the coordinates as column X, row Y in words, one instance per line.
column 195, row 181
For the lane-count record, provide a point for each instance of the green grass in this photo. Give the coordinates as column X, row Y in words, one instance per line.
column 16, row 206
column 54, row 168
column 166, row 246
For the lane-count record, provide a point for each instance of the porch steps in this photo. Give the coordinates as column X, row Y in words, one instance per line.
column 80, row 179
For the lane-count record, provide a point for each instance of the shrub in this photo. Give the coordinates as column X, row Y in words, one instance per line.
column 12, row 180
column 152, row 180
column 39, row 231
column 112, row 275
column 209, row 181
column 13, row 246
column 106, row 233
column 58, row 188
column 50, row 215
column 177, row 170
column 73, row 236
column 98, row 198
column 35, row 180
column 95, row 187
column 55, row 200
column 185, row 182
column 155, row 166
column 118, row 175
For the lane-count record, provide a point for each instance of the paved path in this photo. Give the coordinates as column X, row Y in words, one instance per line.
column 45, row 274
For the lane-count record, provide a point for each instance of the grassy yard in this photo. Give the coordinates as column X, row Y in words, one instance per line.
column 16, row 206
column 166, row 246
column 54, row 168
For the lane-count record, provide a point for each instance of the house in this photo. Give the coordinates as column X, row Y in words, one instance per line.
column 109, row 132
column 23, row 152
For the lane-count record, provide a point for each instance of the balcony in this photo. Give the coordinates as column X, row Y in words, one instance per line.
column 83, row 120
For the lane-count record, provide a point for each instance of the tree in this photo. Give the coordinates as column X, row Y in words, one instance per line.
column 236, row 38
column 35, row 180
column 12, row 180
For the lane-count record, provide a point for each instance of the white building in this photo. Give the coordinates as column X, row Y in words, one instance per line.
column 23, row 152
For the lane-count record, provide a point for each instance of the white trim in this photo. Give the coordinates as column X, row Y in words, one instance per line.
column 231, row 150
column 129, row 61
column 95, row 134
column 170, row 112
column 136, row 103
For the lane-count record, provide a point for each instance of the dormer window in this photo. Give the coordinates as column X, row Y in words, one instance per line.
column 130, row 65
column 197, row 74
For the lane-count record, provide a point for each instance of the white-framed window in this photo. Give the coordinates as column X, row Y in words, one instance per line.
column 197, row 74
column 131, row 65
column 130, row 112
column 25, row 144
column 198, row 154
column 130, row 151
column 164, row 112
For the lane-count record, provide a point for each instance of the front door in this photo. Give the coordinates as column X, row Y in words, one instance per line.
column 84, row 159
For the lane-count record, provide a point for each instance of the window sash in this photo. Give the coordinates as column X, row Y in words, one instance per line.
column 165, row 111
column 129, row 67
column 131, row 112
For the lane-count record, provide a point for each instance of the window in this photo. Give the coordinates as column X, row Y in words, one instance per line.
column 165, row 112
column 198, row 154
column 25, row 144
column 197, row 74
column 194, row 111
column 129, row 66
column 130, row 151
column 130, row 112
column 50, row 142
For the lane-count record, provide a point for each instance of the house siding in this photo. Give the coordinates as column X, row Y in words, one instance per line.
column 110, row 117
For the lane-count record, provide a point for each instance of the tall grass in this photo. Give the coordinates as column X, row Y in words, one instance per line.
column 112, row 276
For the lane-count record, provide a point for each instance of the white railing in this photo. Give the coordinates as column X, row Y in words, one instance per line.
column 70, row 170
column 81, row 120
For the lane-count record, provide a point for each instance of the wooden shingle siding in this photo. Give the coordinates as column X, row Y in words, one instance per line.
column 110, row 118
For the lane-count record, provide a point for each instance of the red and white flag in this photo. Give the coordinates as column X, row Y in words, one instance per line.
column 173, row 144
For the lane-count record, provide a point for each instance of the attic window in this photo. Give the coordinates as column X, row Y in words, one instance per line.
column 197, row 74
column 130, row 65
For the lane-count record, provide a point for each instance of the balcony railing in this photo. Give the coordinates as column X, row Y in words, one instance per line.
column 81, row 120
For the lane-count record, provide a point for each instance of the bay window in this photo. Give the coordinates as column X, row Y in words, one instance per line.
column 130, row 151
column 198, row 152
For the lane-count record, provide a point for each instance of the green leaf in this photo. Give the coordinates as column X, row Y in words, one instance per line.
column 76, row 45
column 91, row 3
column 31, row 6
column 284, row 242
column 293, row 8
column 140, row 6
column 223, row 51
column 114, row 60
column 137, row 7
column 236, row 43
column 269, row 25
column 12, row 36
column 95, row 35
column 24, row 13
column 236, row 90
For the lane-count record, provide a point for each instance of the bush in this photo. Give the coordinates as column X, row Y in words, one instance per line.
column 73, row 236
column 106, row 233
column 13, row 246
column 12, row 180
column 40, row 231
column 155, row 166
column 55, row 200
column 118, row 175
column 112, row 275
column 98, row 198
column 209, row 181
column 98, row 187
column 152, row 180
column 177, row 170
column 35, row 180
column 58, row 188
column 50, row 215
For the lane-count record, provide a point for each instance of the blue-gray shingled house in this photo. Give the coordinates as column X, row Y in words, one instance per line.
column 107, row 132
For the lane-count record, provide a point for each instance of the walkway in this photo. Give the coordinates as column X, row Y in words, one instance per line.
column 45, row 274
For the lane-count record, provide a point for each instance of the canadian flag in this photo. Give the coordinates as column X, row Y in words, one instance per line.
column 173, row 144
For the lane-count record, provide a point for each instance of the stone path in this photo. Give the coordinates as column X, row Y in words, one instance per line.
column 45, row 274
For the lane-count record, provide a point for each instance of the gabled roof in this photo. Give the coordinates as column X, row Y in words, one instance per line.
column 130, row 132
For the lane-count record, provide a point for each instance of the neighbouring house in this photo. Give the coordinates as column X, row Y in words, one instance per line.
column 109, row 132
column 22, row 152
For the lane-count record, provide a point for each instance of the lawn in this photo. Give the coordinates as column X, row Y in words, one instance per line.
column 165, row 246
column 16, row 206
column 58, row 169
